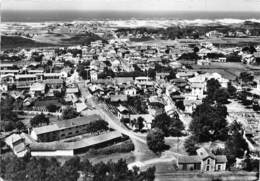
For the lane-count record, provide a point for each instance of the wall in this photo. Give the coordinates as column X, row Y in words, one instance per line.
column 53, row 153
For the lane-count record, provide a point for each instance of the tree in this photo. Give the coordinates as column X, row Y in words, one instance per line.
column 190, row 145
column 180, row 105
column 33, row 169
column 7, row 125
column 209, row 122
column 20, row 126
column 196, row 49
column 189, row 56
column 13, row 168
column 212, row 86
column 87, row 168
column 151, row 73
column 69, row 113
column 176, row 127
column 169, row 126
column 155, row 140
column 70, row 169
column 99, row 125
column 58, row 94
column 231, row 90
column 36, row 169
column 236, row 145
column 162, row 122
column 251, row 164
column 246, row 77
column 140, row 123
column 221, row 96
column 39, row 119
column 6, row 109
column 252, row 49
column 172, row 75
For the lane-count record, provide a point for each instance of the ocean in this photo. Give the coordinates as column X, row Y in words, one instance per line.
column 47, row 16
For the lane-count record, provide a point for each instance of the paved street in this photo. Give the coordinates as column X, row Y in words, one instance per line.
column 103, row 111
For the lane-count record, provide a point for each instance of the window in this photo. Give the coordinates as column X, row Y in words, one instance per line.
column 207, row 168
column 184, row 166
column 208, row 161
column 197, row 166
column 219, row 167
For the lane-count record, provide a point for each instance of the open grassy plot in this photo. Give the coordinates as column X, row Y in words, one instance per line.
column 228, row 70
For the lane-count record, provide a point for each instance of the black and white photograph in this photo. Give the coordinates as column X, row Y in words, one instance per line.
column 130, row 90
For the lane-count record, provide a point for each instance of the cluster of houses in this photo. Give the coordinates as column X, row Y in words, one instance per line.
column 63, row 138
column 118, row 74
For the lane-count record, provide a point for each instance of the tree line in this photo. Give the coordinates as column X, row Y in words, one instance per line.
column 50, row 169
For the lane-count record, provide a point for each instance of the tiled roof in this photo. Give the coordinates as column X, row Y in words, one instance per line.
column 83, row 143
column 221, row 158
column 189, row 159
column 67, row 124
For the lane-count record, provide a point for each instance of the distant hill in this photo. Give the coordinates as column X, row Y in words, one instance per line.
column 8, row 42
column 82, row 39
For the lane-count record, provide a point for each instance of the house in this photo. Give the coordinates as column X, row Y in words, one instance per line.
column 123, row 112
column 145, row 81
column 190, row 105
column 72, row 89
column 198, row 83
column 248, row 58
column 26, row 80
column 222, row 59
column 130, row 91
column 203, row 62
column 161, row 75
column 63, row 129
column 78, row 146
column 118, row 98
column 123, row 80
column 37, row 88
column 197, row 90
column 148, row 118
column 17, row 144
column 185, row 75
column 214, row 34
column 93, row 75
column 80, row 107
column 3, row 88
column 170, row 110
column 204, row 161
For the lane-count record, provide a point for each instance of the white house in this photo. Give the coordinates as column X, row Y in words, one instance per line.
column 93, row 75
column 130, row 91
column 198, row 83
column 204, row 161
column 37, row 88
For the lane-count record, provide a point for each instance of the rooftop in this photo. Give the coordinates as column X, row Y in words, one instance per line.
column 60, row 125
column 58, row 145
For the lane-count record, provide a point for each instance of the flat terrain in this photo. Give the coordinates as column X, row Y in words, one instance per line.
column 228, row 70
column 9, row 42
column 48, row 40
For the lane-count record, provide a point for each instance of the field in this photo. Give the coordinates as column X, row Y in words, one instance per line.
column 228, row 70
column 9, row 42
column 48, row 40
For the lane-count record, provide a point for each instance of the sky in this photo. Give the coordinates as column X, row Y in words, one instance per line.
column 133, row 5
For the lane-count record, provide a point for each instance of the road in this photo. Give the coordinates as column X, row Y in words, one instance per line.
column 103, row 111
column 143, row 155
